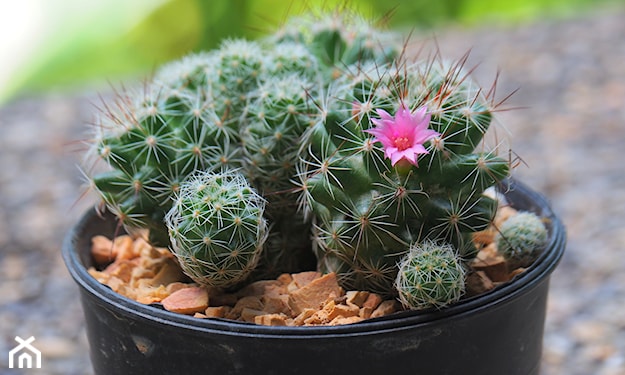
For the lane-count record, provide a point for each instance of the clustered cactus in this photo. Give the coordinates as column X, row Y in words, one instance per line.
column 359, row 153
column 368, row 209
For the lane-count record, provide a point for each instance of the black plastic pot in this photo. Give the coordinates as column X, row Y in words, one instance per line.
column 496, row 333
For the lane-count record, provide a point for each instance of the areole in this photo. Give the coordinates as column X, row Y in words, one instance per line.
column 499, row 332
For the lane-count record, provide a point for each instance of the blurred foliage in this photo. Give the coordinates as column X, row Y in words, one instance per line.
column 177, row 27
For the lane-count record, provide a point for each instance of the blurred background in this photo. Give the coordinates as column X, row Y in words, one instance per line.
column 58, row 58
column 67, row 44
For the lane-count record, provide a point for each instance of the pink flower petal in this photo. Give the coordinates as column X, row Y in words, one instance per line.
column 384, row 115
column 418, row 149
column 402, row 137
column 395, row 157
column 425, row 135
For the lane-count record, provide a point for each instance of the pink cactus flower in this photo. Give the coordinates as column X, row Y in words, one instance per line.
column 403, row 136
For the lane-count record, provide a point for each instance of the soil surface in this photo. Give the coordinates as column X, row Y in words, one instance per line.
column 569, row 134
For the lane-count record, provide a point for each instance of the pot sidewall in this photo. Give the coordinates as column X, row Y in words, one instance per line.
column 499, row 332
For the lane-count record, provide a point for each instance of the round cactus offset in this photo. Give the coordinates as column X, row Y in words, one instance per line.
column 521, row 238
column 217, row 228
column 430, row 275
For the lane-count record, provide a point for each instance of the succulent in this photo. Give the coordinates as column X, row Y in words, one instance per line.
column 430, row 275
column 357, row 151
column 190, row 117
column 217, row 228
column 428, row 117
column 521, row 238
column 154, row 140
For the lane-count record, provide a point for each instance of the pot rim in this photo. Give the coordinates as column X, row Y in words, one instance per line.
column 523, row 283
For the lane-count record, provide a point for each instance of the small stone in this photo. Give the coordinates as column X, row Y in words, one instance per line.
column 315, row 293
column 345, row 311
column 493, row 264
column 249, row 315
column 365, row 312
column 174, row 287
column 304, row 278
column 516, row 272
column 124, row 247
column 249, row 302
column 149, row 294
column 372, row 301
column 317, row 318
column 102, row 250
column 169, row 273
column 102, row 277
column 271, row 319
column 478, row 282
column 303, row 316
column 386, row 307
column 285, row 278
column 355, row 297
column 122, row 269
column 263, row 287
column 273, row 303
column 140, row 246
column 216, row 312
column 484, row 237
column 187, row 301
column 340, row 320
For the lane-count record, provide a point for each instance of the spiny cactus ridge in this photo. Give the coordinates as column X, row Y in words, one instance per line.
column 299, row 115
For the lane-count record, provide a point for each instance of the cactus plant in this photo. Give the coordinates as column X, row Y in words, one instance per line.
column 428, row 118
column 430, row 275
column 217, row 228
column 189, row 117
column 521, row 238
column 357, row 151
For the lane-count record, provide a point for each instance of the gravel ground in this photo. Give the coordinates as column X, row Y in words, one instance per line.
column 571, row 75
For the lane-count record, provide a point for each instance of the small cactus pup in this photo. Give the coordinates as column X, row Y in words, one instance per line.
column 430, row 275
column 521, row 239
column 217, row 229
